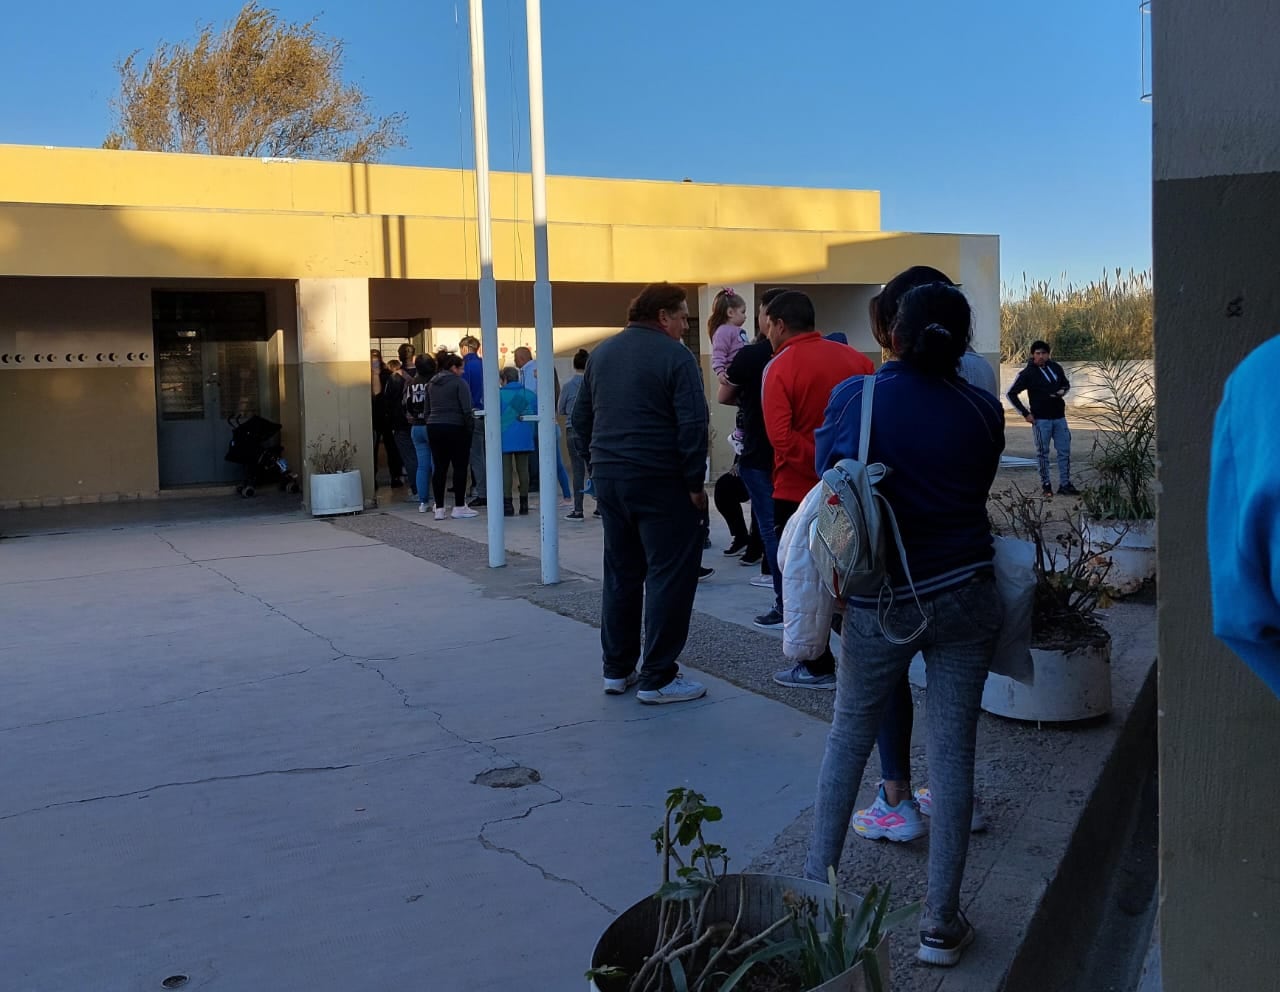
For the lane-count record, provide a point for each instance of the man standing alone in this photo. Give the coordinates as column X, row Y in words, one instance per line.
column 640, row 423
column 797, row 386
column 1046, row 384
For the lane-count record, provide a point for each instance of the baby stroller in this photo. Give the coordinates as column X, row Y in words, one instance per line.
column 255, row 444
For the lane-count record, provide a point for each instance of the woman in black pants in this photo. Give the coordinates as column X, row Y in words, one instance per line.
column 449, row 428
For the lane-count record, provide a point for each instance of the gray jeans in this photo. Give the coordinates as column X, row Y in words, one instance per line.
column 957, row 646
column 477, row 458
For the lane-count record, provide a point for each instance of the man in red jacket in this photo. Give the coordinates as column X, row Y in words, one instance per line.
column 797, row 386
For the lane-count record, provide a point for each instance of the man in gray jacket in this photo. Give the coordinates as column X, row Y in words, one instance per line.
column 640, row 423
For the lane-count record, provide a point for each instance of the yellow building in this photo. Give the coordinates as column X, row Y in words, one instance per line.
column 145, row 298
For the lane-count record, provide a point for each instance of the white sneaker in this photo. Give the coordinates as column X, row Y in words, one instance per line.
column 616, row 687
column 678, row 690
column 924, row 799
column 464, row 513
column 422, row 507
column 441, row 512
column 763, row 581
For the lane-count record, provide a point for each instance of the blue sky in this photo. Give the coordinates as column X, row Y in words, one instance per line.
column 1015, row 118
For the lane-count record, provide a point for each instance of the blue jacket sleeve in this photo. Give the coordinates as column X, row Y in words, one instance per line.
column 1244, row 531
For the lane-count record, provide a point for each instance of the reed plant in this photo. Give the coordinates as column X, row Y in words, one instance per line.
column 1109, row 319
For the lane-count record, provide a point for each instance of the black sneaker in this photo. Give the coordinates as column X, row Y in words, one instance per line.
column 1048, row 492
column 705, row 573
column 573, row 515
column 943, row 944
column 595, row 512
column 478, row 502
column 771, row 619
column 752, row 557
column 1068, row 490
column 736, row 548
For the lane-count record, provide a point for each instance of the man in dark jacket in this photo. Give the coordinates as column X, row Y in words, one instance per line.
column 1046, row 384
column 640, row 423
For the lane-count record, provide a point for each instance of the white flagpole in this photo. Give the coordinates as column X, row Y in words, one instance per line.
column 548, row 438
column 488, row 297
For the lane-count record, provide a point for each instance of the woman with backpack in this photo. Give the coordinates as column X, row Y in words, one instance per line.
column 941, row 440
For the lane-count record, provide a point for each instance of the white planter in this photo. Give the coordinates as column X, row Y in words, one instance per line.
column 342, row 492
column 1068, row 686
column 1133, row 559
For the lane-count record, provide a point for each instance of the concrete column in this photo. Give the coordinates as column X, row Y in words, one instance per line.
column 979, row 277
column 333, row 358
column 722, row 417
column 1216, row 252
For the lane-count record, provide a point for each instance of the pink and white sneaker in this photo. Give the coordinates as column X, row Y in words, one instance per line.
column 924, row 799
column 880, row 821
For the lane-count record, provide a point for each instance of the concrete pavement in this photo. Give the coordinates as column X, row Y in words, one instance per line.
column 245, row 751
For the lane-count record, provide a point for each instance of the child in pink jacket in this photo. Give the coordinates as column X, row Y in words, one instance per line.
column 728, row 314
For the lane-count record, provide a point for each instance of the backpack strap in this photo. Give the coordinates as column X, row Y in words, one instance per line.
column 883, row 608
column 864, row 447
column 868, row 403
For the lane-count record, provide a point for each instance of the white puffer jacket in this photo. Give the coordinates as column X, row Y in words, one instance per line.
column 807, row 606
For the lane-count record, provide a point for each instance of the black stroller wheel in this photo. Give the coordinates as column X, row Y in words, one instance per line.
column 248, row 492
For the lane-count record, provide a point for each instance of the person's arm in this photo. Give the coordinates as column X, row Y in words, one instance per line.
column 691, row 422
column 1244, row 510
column 777, row 411
column 583, row 417
column 464, row 395
column 562, row 409
column 1066, row 383
column 1019, row 385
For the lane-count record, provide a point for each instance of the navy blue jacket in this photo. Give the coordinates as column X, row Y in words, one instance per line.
column 942, row 438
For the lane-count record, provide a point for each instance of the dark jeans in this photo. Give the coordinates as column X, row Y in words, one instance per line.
column 579, row 468
column 784, row 510
column 894, row 739
column 395, row 465
column 729, row 495
column 450, row 447
column 759, row 483
column 408, row 455
column 652, row 550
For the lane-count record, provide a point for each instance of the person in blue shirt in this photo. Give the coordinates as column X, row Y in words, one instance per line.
column 941, row 440
column 517, row 438
column 1244, row 515
column 473, row 376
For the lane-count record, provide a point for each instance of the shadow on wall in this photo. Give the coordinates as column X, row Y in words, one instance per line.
column 83, row 432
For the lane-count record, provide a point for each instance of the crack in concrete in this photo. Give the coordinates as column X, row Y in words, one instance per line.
column 489, row 845
column 174, row 785
column 166, row 902
column 277, row 554
column 151, row 706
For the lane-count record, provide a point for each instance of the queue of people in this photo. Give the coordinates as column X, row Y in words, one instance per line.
column 639, row 423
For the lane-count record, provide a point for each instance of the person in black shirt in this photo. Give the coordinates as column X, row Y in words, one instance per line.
column 755, row 464
column 1046, row 384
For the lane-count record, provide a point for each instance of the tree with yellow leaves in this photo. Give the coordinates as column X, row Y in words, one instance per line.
column 260, row 87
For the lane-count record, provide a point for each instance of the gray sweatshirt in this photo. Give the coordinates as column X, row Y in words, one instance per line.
column 641, row 412
column 449, row 400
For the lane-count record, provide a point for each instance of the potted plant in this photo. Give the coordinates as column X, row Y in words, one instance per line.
column 706, row 930
column 1070, row 649
column 1119, row 502
column 336, row 486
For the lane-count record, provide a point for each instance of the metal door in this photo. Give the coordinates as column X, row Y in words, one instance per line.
column 210, row 352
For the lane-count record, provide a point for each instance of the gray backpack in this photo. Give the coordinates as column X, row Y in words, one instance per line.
column 849, row 540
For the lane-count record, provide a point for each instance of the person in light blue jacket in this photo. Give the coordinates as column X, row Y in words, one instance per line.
column 517, row 438
column 1244, row 515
